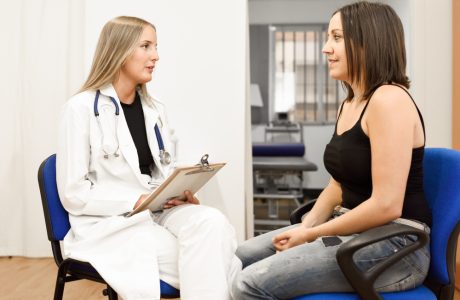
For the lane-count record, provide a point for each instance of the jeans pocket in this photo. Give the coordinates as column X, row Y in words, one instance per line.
column 405, row 283
column 371, row 255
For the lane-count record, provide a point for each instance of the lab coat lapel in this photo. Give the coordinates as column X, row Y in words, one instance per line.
column 151, row 118
column 125, row 140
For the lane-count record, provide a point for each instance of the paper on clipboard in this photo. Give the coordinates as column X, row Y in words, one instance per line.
column 182, row 179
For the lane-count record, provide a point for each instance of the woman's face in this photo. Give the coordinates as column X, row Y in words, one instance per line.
column 138, row 67
column 335, row 49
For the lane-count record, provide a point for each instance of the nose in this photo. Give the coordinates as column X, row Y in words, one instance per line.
column 327, row 49
column 155, row 56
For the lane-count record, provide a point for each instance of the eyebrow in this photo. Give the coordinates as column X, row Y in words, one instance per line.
column 335, row 30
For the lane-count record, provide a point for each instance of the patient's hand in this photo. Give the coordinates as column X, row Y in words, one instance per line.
column 293, row 237
column 187, row 198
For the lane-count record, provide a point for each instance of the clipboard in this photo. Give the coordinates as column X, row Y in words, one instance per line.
column 184, row 178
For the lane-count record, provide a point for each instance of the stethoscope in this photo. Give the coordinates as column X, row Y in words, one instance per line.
column 165, row 157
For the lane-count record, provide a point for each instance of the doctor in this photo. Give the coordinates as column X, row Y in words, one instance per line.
column 113, row 150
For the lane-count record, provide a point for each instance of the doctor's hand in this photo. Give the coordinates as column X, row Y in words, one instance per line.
column 293, row 237
column 188, row 198
column 140, row 200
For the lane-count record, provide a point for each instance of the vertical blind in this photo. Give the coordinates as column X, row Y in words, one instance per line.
column 302, row 86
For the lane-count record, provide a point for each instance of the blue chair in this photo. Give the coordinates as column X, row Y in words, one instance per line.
column 442, row 189
column 57, row 226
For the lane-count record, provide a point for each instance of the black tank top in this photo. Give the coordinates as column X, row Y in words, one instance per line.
column 347, row 158
column 134, row 116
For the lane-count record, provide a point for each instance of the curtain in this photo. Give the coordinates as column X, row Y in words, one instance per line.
column 42, row 67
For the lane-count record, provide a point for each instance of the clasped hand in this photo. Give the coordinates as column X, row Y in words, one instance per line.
column 293, row 237
column 186, row 198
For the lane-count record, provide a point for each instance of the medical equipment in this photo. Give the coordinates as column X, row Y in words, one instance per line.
column 165, row 156
column 278, row 164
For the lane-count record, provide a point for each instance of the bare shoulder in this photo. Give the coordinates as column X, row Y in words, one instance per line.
column 391, row 98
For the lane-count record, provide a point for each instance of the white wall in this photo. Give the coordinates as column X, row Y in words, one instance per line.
column 292, row 11
column 431, row 44
column 201, row 76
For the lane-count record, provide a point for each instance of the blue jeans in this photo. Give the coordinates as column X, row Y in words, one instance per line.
column 312, row 268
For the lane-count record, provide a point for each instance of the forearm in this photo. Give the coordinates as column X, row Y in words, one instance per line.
column 329, row 198
column 367, row 215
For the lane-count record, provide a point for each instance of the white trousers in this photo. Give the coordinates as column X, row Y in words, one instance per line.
column 196, row 253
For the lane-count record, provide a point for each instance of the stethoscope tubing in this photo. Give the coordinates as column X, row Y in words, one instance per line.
column 164, row 155
column 96, row 102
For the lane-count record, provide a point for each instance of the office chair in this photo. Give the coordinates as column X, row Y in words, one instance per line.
column 57, row 226
column 442, row 190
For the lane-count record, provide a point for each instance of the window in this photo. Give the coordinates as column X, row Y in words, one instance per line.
column 301, row 85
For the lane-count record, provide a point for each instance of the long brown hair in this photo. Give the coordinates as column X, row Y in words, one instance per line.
column 117, row 42
column 374, row 45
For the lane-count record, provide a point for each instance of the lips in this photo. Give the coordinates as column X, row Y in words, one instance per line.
column 332, row 61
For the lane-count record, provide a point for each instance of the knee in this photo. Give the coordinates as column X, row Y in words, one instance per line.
column 243, row 286
column 239, row 286
column 248, row 252
column 209, row 216
column 212, row 222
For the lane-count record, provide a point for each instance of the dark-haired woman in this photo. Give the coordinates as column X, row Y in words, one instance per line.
column 375, row 160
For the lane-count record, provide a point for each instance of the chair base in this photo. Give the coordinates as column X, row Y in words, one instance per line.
column 72, row 270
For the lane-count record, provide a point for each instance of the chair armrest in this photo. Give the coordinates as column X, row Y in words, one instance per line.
column 297, row 214
column 363, row 281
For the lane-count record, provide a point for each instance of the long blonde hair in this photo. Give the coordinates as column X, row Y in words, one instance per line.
column 117, row 41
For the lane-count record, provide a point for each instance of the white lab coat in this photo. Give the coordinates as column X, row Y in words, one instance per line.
column 95, row 191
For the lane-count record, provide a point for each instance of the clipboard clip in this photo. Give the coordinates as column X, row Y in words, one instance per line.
column 203, row 164
column 204, row 161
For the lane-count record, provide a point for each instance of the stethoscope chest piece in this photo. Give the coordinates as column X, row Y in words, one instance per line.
column 165, row 157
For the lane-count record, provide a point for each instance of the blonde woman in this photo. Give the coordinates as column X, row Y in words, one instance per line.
column 113, row 149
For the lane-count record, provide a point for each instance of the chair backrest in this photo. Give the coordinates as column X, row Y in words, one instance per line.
column 56, row 217
column 442, row 189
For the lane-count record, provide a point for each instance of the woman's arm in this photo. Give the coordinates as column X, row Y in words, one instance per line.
column 329, row 198
column 390, row 122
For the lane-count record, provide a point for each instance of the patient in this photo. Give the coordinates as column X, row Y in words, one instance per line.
column 375, row 161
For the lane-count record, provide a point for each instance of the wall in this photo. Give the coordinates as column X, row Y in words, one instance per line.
column 292, row 11
column 259, row 56
column 431, row 55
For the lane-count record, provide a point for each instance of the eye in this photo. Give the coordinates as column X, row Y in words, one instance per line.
column 145, row 46
column 337, row 37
